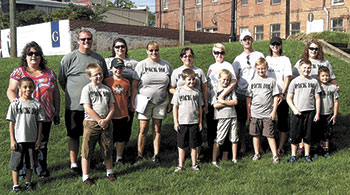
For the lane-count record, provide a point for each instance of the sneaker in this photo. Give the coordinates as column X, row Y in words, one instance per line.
column 327, row 155
column 178, row 169
column 156, row 160
column 292, row 159
column 29, row 186
column 276, row 160
column 89, row 182
column 138, row 160
column 119, row 161
column 256, row 157
column 45, row 175
column 308, row 159
column 215, row 164
column 234, row 161
column 281, row 152
column 16, row 188
column 195, row 168
column 75, row 171
column 111, row 177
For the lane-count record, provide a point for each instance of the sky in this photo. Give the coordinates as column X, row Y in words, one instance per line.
column 149, row 3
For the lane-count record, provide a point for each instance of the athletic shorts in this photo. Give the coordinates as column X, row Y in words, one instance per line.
column 154, row 111
column 23, row 151
column 264, row 127
column 189, row 136
column 74, row 123
column 93, row 133
column 282, row 116
column 301, row 127
column 324, row 128
column 121, row 130
column 227, row 126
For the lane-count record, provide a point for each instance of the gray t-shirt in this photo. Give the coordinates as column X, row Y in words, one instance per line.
column 73, row 78
column 262, row 91
column 177, row 81
column 188, row 102
column 25, row 115
column 99, row 97
column 304, row 91
column 154, row 79
column 129, row 70
column 227, row 111
column 328, row 95
column 316, row 64
column 244, row 66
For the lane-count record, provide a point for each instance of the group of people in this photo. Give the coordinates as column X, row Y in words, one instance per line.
column 102, row 95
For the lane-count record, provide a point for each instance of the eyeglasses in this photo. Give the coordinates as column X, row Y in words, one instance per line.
column 187, row 56
column 119, row 46
column 248, row 56
column 31, row 53
column 84, row 39
column 313, row 48
column 153, row 50
column 219, row 52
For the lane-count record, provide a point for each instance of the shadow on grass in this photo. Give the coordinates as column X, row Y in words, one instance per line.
column 341, row 138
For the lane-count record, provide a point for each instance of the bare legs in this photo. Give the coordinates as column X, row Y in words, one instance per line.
column 156, row 124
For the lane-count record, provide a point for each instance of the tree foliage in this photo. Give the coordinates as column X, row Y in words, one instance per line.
column 120, row 4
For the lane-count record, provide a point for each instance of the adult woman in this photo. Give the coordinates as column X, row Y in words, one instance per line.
column 219, row 52
column 120, row 50
column 280, row 69
column 151, row 80
column 46, row 91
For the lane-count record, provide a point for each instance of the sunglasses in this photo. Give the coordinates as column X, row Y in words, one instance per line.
column 313, row 48
column 247, row 39
column 119, row 46
column 153, row 50
column 276, row 44
column 187, row 56
column 84, row 39
column 219, row 52
column 31, row 53
column 248, row 60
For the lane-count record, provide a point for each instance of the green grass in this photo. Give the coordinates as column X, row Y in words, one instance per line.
column 323, row 176
column 330, row 36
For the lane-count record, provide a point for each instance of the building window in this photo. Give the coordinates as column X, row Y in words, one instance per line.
column 259, row 1
column 243, row 29
column 198, row 2
column 211, row 30
column 244, row 2
column 337, row 2
column 337, row 24
column 165, row 26
column 197, row 25
column 214, row 1
column 275, row 30
column 165, row 4
column 294, row 28
column 274, row 2
column 259, row 33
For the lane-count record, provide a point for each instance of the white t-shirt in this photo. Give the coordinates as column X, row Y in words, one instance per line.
column 279, row 68
column 244, row 66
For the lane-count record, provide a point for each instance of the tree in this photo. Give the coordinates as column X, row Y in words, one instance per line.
column 29, row 17
column 124, row 4
column 151, row 19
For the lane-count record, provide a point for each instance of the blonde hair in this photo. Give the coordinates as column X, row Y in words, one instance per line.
column 92, row 66
column 225, row 72
column 219, row 46
column 261, row 62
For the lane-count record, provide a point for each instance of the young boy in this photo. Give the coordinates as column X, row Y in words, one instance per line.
column 304, row 100
column 262, row 103
column 329, row 108
column 226, row 115
column 121, row 89
column 187, row 112
column 26, row 116
column 98, row 102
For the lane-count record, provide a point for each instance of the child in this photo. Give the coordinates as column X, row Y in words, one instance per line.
column 187, row 113
column 26, row 116
column 303, row 99
column 121, row 90
column 262, row 103
column 329, row 108
column 226, row 115
column 98, row 101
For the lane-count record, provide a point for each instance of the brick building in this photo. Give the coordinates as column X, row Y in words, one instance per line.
column 264, row 18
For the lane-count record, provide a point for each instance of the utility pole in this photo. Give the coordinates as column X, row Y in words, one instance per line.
column 182, row 23
column 13, row 34
column 287, row 18
column 233, row 19
column 201, row 15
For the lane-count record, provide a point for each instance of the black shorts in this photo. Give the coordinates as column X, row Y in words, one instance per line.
column 241, row 109
column 23, row 151
column 74, row 123
column 324, row 128
column 282, row 116
column 301, row 127
column 121, row 130
column 189, row 135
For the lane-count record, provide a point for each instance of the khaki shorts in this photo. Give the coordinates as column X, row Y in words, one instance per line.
column 227, row 126
column 154, row 111
column 264, row 126
column 93, row 133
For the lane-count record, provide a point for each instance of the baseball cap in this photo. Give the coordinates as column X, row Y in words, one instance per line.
column 117, row 62
column 276, row 40
column 244, row 34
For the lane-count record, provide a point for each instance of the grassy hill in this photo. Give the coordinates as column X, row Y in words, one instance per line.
column 323, row 176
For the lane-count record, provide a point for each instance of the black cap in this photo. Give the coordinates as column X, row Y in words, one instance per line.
column 276, row 40
column 117, row 62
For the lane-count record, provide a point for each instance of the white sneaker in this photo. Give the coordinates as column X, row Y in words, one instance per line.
column 234, row 161
column 215, row 164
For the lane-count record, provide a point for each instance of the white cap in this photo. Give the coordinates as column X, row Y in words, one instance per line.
column 244, row 34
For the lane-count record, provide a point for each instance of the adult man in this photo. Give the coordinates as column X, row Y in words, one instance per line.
column 72, row 78
column 244, row 67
